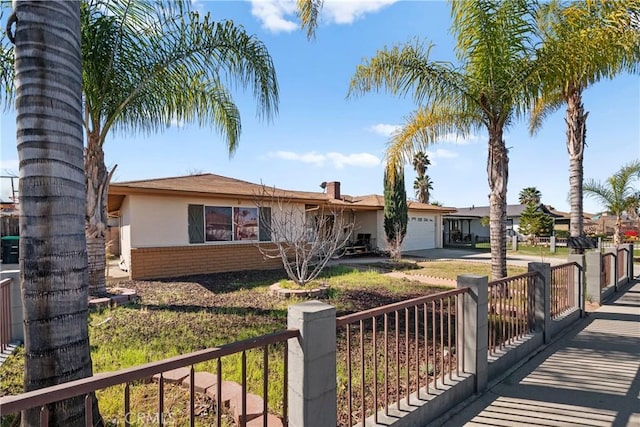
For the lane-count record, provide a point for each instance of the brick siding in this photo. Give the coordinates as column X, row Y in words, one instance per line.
column 154, row 263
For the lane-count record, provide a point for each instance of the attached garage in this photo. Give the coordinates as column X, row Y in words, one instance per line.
column 421, row 232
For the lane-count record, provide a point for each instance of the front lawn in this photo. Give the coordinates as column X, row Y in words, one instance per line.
column 451, row 269
column 182, row 315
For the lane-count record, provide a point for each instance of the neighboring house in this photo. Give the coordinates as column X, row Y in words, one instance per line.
column 209, row 223
column 562, row 220
column 604, row 224
column 465, row 224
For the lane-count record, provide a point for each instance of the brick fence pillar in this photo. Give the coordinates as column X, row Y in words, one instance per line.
column 312, row 365
column 475, row 341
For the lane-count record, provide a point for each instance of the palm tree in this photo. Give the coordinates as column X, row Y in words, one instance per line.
column 421, row 162
column 490, row 89
column 616, row 194
column 583, row 42
column 530, row 196
column 146, row 64
column 422, row 183
column 423, row 186
column 53, row 263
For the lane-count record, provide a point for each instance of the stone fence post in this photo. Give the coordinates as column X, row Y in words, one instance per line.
column 514, row 243
column 312, row 365
column 542, row 292
column 552, row 244
column 593, row 276
column 475, row 342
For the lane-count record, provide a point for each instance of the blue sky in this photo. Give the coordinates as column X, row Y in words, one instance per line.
column 319, row 135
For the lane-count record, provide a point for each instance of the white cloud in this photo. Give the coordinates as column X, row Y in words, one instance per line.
column 280, row 15
column 385, row 129
column 347, row 11
column 275, row 15
column 442, row 153
column 453, row 138
column 337, row 160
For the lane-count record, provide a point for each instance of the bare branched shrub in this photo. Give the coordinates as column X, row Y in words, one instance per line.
column 305, row 236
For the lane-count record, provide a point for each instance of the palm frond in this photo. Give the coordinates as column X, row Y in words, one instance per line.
column 545, row 105
column 494, row 44
column 6, row 60
column 616, row 191
column 309, row 12
column 149, row 71
column 407, row 70
column 425, row 127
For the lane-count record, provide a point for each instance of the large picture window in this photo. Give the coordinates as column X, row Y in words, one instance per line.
column 226, row 224
column 245, row 221
column 218, row 224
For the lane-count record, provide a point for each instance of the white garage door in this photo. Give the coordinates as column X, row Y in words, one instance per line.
column 421, row 233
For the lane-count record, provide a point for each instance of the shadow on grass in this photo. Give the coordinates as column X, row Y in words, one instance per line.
column 237, row 311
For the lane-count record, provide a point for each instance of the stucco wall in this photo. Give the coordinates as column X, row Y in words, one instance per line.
column 366, row 222
column 125, row 232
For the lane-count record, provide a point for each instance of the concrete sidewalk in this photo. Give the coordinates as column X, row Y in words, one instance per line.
column 588, row 377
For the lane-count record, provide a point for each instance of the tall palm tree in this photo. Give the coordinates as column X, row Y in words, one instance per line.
column 583, row 42
column 529, row 196
column 53, row 259
column 616, row 194
column 422, row 183
column 423, row 186
column 148, row 63
column 421, row 162
column 490, row 89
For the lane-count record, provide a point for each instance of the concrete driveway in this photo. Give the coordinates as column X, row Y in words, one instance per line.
column 479, row 256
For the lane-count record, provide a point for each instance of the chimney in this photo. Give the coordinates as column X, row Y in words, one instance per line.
column 333, row 190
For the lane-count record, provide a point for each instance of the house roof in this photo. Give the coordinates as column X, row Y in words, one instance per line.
column 211, row 185
column 482, row 211
column 567, row 215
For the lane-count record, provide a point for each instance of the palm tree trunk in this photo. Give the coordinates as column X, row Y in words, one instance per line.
column 576, row 120
column 97, row 179
column 498, row 173
column 53, row 263
column 617, row 231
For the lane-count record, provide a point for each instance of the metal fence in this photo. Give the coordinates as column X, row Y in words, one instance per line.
column 622, row 261
column 511, row 310
column 396, row 351
column 5, row 314
column 566, row 280
column 142, row 374
column 607, row 270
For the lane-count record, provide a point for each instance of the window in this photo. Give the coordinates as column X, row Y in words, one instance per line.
column 226, row 224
